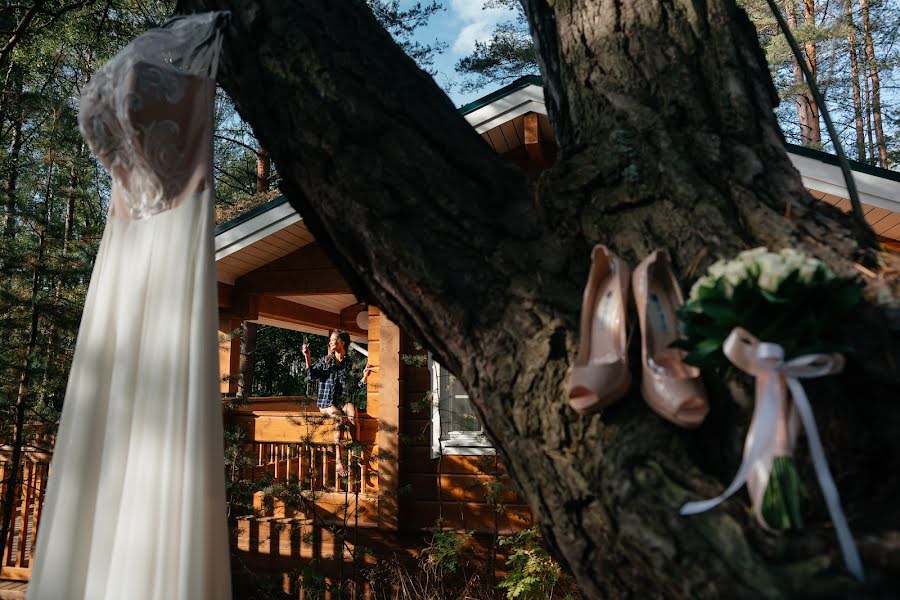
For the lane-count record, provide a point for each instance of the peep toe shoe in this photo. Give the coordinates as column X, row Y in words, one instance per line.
column 600, row 375
column 671, row 387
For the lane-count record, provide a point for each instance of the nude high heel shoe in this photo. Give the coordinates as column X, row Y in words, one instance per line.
column 600, row 375
column 672, row 388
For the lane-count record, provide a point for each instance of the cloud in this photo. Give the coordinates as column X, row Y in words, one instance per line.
column 477, row 23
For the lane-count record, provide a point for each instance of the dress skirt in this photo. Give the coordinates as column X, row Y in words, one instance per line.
column 135, row 504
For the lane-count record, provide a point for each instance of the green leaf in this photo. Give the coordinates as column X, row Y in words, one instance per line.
column 781, row 500
column 773, row 298
column 720, row 310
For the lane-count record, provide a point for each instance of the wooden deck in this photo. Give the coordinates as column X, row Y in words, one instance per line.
column 30, row 482
column 13, row 590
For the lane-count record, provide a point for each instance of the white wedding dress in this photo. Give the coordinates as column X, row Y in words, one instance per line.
column 135, row 505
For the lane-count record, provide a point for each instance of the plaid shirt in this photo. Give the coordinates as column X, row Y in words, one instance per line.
column 332, row 376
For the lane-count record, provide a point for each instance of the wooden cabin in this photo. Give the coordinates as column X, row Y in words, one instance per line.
column 422, row 456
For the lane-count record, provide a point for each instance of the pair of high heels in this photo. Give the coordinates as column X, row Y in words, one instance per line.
column 600, row 376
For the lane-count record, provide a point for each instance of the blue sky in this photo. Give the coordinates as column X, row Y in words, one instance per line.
column 459, row 26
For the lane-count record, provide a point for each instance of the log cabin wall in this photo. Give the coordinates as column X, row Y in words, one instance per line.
column 452, row 489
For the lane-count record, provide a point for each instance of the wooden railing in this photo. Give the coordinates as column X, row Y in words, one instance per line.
column 30, row 482
column 292, row 444
column 312, row 466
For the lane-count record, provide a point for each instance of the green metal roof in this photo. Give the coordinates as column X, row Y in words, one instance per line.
column 527, row 80
column 793, row 148
column 516, row 85
column 251, row 213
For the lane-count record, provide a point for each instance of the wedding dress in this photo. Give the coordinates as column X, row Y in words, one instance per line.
column 135, row 505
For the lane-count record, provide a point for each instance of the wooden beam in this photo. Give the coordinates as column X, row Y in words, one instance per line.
column 298, row 314
column 246, row 306
column 304, row 271
column 297, row 282
column 532, row 128
column 310, row 256
column 533, row 142
column 348, row 316
column 225, row 293
column 279, row 309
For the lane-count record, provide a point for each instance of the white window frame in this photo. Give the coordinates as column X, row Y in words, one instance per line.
column 458, row 443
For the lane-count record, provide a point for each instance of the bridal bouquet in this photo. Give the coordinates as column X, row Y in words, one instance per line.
column 785, row 297
column 773, row 315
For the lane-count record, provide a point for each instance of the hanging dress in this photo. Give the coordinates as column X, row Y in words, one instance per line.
column 135, row 505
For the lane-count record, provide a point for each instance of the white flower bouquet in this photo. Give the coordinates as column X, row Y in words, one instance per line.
column 771, row 315
column 784, row 297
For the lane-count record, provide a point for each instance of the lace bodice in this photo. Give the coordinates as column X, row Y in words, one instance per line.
column 147, row 115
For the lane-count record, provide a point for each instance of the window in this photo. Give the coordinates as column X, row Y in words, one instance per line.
column 455, row 426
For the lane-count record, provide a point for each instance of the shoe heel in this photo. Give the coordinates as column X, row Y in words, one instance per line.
column 671, row 387
column 600, row 375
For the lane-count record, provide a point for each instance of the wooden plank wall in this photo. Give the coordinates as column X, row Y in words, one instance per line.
column 451, row 488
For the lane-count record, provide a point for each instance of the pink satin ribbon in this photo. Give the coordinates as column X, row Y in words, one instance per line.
column 773, row 428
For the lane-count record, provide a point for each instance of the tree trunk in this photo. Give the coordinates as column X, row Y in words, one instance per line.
column 853, row 48
column 74, row 186
column 6, row 92
column 812, row 63
column 807, row 112
column 263, row 170
column 68, row 225
column 868, row 109
column 248, row 360
column 12, row 177
column 876, row 85
column 663, row 115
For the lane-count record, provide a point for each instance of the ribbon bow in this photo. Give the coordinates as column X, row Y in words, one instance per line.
column 771, row 433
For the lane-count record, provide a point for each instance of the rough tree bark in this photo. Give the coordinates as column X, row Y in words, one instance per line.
column 807, row 111
column 663, row 113
column 12, row 176
column 853, row 48
column 263, row 170
column 876, row 83
column 812, row 63
column 868, row 109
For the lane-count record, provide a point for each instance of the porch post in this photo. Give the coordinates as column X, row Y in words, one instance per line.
column 387, row 438
column 229, row 355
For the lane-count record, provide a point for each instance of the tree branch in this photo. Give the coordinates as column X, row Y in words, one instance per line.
column 20, row 30
column 238, row 142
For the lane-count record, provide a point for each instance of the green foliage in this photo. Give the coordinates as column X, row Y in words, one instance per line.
column 403, row 23
column 421, row 405
column 533, row 574
column 494, row 489
column 826, row 36
column 445, row 549
column 53, row 196
column 280, row 369
column 800, row 313
column 507, row 55
column 279, row 366
column 414, row 360
column 312, row 582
